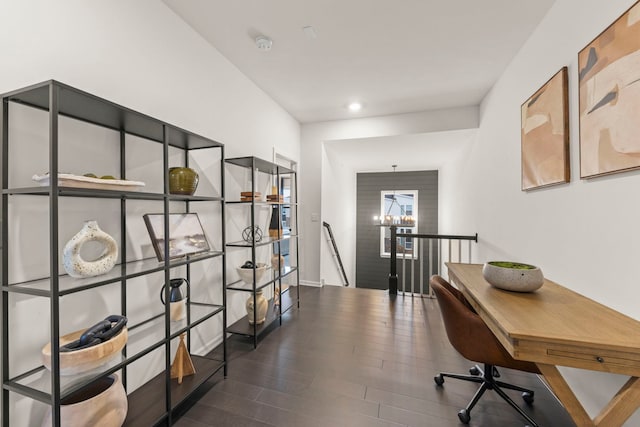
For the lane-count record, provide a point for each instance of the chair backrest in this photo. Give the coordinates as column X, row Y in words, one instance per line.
column 468, row 333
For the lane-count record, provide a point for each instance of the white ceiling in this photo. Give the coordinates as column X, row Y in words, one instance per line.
column 383, row 152
column 395, row 56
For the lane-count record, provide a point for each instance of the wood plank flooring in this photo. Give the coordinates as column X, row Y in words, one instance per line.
column 356, row 357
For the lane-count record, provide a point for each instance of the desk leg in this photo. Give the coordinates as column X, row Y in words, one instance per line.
column 566, row 396
column 615, row 413
column 622, row 406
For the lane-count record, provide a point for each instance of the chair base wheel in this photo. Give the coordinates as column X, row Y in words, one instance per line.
column 527, row 397
column 464, row 416
column 474, row 370
column 439, row 379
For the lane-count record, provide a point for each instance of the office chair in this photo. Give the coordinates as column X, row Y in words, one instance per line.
column 473, row 339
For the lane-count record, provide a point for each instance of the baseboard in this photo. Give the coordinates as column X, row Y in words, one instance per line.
column 310, row 283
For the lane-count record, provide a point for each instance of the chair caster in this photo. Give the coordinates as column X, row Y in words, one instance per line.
column 464, row 416
column 474, row 370
column 439, row 379
column 528, row 397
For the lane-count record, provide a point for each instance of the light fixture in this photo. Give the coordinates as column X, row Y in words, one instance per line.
column 355, row 106
column 390, row 219
column 264, row 43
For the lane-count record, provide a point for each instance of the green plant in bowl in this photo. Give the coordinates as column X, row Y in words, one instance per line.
column 509, row 264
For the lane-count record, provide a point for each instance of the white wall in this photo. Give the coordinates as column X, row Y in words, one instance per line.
column 582, row 234
column 313, row 138
column 338, row 186
column 140, row 55
column 344, row 159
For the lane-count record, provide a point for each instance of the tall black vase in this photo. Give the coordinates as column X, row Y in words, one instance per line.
column 275, row 225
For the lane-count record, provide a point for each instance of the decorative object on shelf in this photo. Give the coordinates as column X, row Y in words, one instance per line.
column 274, row 197
column 248, row 196
column 276, row 297
column 275, row 225
column 249, row 232
column 246, row 271
column 186, row 235
column 261, row 308
column 513, row 276
column 277, row 263
column 88, row 349
column 183, row 181
column 609, row 98
column 177, row 302
column 73, row 262
column 545, row 134
column 182, row 365
column 87, row 181
column 101, row 403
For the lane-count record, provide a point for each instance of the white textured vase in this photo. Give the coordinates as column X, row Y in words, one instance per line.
column 78, row 267
column 102, row 403
column 261, row 308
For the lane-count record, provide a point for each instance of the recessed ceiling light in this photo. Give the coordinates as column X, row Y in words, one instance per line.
column 355, row 106
column 310, row 32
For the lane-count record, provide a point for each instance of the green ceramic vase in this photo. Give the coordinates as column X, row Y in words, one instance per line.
column 182, row 181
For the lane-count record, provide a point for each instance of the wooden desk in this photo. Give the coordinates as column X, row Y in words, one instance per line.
column 555, row 326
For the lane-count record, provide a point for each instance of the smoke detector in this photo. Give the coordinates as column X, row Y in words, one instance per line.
column 264, row 43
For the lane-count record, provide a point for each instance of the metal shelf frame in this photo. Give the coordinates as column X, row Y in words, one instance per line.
column 60, row 100
column 242, row 326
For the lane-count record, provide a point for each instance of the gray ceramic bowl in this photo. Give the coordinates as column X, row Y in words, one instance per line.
column 513, row 276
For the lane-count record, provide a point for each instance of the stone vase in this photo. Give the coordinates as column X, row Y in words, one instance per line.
column 102, row 403
column 261, row 308
column 78, row 267
column 277, row 263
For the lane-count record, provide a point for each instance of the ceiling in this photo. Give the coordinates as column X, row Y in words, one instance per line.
column 393, row 56
column 383, row 152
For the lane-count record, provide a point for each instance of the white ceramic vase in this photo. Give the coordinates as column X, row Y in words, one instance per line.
column 73, row 262
column 261, row 308
column 102, row 403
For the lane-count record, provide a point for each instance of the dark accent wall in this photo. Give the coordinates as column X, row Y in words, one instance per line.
column 372, row 271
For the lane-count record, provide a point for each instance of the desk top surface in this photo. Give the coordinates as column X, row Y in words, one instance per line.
column 553, row 314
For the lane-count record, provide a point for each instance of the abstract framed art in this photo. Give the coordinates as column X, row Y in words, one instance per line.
column 609, row 98
column 545, row 134
column 186, row 235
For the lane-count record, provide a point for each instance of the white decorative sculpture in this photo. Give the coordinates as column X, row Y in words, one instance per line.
column 78, row 267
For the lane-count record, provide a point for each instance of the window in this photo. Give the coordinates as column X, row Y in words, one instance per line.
column 401, row 208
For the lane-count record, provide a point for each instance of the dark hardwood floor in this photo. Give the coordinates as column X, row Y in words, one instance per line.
column 355, row 357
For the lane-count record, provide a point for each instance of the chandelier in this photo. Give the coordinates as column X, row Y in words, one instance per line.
column 391, row 218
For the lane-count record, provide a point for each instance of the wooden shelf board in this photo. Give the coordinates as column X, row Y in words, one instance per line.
column 147, row 404
column 243, row 327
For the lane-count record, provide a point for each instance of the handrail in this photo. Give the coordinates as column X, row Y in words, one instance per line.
column 439, row 236
column 393, row 276
column 337, row 254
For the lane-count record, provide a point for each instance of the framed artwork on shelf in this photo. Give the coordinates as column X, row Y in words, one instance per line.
column 545, row 134
column 186, row 235
column 609, row 98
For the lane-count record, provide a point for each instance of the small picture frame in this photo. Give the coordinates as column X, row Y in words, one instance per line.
column 186, row 235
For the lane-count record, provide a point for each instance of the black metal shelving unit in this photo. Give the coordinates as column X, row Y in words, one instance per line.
column 289, row 293
column 153, row 402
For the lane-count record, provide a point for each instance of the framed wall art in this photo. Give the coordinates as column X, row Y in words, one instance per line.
column 186, row 235
column 609, row 98
column 545, row 134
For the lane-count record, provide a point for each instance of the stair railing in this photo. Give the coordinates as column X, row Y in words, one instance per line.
column 415, row 254
column 336, row 254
